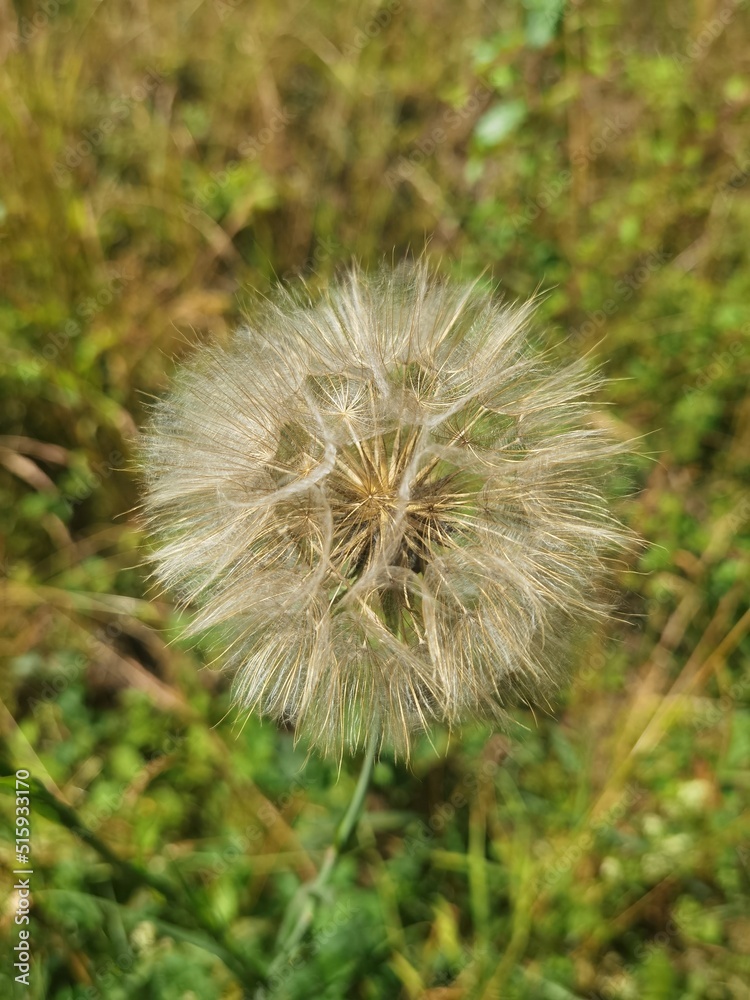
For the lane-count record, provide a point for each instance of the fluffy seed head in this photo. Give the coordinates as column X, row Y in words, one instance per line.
column 389, row 506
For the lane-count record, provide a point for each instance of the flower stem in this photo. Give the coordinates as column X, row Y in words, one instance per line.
column 301, row 910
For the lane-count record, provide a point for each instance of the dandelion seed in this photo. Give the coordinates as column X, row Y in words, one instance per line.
column 389, row 505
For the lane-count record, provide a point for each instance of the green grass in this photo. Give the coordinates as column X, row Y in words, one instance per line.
column 161, row 165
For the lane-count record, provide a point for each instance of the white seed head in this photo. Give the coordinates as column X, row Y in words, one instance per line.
column 390, row 506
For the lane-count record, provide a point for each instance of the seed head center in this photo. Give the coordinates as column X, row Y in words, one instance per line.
column 380, row 498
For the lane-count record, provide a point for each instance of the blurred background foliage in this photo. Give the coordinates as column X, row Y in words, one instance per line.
column 163, row 163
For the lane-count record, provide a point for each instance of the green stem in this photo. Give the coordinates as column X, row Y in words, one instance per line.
column 301, row 910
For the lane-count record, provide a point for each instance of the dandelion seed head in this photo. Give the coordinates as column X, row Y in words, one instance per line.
column 390, row 507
